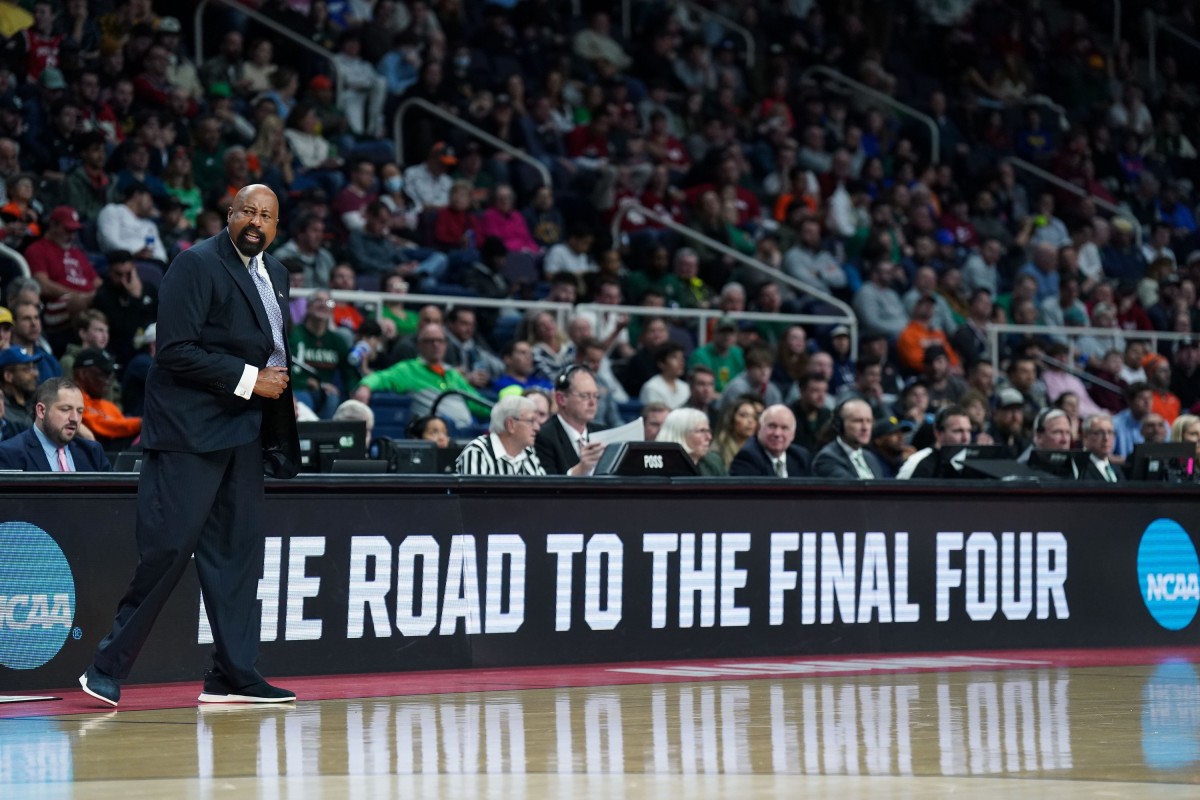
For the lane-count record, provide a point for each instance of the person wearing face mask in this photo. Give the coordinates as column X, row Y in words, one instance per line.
column 404, row 210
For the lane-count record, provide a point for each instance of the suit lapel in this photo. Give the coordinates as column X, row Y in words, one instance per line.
column 36, row 454
column 241, row 276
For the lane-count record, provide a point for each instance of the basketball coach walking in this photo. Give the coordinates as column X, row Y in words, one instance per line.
column 218, row 414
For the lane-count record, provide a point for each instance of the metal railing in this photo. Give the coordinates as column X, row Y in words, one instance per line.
column 935, row 136
column 1154, row 24
column 1049, row 177
column 16, row 257
column 707, row 13
column 996, row 330
column 849, row 319
column 1082, row 374
column 707, row 314
column 266, row 21
column 478, row 133
column 358, row 297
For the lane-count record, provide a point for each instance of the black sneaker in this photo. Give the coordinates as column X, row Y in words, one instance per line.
column 217, row 690
column 104, row 688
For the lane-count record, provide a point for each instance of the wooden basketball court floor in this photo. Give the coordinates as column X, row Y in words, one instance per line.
column 1063, row 724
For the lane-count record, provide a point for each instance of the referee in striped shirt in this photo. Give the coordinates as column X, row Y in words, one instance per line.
column 507, row 448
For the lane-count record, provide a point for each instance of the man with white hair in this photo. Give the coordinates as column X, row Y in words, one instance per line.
column 507, row 447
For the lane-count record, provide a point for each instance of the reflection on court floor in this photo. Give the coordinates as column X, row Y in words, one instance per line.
column 1128, row 723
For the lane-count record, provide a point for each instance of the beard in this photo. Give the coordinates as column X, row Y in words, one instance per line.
column 249, row 247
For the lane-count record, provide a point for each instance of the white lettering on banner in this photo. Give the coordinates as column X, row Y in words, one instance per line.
column 881, row 589
column 503, row 548
column 605, row 564
column 417, row 615
column 297, row 627
column 267, row 595
column 696, row 573
column 1170, row 587
column 659, row 544
column 983, row 583
column 460, row 596
column 565, row 546
column 20, row 612
column 366, row 595
column 697, row 581
column 732, row 579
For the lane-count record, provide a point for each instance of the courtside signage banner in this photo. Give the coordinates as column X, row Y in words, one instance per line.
column 392, row 582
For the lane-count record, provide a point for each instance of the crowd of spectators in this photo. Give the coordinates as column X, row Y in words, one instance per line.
column 120, row 147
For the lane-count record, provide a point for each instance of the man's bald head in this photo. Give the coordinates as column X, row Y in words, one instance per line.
column 253, row 219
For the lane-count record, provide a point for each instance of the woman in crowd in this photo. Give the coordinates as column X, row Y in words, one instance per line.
column 1187, row 429
column 738, row 424
column 430, row 429
column 689, row 427
column 406, row 321
column 552, row 352
column 177, row 177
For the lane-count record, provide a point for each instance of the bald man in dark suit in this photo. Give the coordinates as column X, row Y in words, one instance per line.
column 219, row 413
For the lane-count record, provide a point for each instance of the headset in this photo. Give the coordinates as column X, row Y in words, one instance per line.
column 563, row 382
column 839, row 424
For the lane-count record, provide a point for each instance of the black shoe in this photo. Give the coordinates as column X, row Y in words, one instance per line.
column 100, row 686
column 218, row 690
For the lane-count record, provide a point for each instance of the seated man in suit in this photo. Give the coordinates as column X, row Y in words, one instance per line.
column 562, row 444
column 950, row 426
column 1099, row 439
column 52, row 445
column 847, row 456
column 771, row 452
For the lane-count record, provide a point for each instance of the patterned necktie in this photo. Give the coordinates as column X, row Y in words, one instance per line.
column 780, row 469
column 63, row 466
column 1108, row 471
column 274, row 315
column 860, row 464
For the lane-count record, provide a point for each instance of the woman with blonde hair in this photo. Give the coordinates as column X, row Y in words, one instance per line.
column 689, row 427
column 273, row 153
column 739, row 423
column 1187, row 429
column 552, row 352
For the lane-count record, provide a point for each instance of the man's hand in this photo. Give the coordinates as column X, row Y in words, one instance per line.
column 271, row 382
column 589, row 454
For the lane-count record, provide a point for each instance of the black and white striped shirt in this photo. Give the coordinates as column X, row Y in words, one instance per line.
column 485, row 455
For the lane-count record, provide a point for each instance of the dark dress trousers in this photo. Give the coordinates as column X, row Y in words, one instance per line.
column 24, row 452
column 832, row 462
column 753, row 459
column 555, row 449
column 201, row 485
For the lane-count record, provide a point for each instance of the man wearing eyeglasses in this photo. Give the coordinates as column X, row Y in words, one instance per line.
column 1099, row 438
column 426, row 377
column 563, row 444
column 507, row 448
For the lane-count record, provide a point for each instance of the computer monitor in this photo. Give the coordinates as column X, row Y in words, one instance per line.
column 322, row 442
column 1067, row 465
column 952, row 458
column 639, row 459
column 128, row 461
column 1174, row 462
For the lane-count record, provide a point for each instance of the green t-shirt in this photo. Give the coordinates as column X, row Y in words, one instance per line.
column 725, row 368
column 328, row 354
column 414, row 375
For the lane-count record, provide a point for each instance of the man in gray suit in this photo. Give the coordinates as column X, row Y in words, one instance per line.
column 847, row 455
column 219, row 413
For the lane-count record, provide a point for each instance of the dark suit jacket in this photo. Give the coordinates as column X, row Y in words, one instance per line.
column 1093, row 473
column 211, row 323
column 832, row 462
column 753, row 459
column 25, row 452
column 554, row 449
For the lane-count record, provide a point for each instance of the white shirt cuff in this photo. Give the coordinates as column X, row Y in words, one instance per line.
column 245, row 387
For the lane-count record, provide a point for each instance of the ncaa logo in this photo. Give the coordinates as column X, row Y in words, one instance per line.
column 1169, row 574
column 37, row 596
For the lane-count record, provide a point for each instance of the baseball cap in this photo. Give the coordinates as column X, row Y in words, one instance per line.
column 1152, row 360
column 320, row 82
column 91, row 357
column 15, row 355
column 840, row 330
column 726, row 324
column 220, row 89
column 52, row 78
column 6, row 317
column 889, row 425
column 169, row 25
column 1009, row 397
column 67, row 217
column 933, row 351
